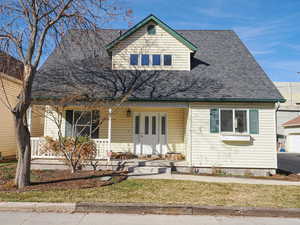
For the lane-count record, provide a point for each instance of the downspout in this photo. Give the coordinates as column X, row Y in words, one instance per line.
column 190, row 131
column 277, row 106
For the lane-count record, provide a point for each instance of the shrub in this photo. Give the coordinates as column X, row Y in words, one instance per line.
column 75, row 150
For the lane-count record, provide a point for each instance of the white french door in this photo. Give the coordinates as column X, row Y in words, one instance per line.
column 150, row 133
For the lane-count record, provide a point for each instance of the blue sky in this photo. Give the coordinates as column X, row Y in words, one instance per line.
column 269, row 28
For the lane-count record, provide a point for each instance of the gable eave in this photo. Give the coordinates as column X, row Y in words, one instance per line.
column 168, row 29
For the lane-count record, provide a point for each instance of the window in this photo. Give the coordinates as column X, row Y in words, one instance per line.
column 146, row 124
column 145, row 60
column 167, row 60
column 234, row 120
column 156, row 60
column 238, row 121
column 241, row 121
column 151, row 30
column 137, row 125
column 82, row 123
column 153, row 125
column 226, row 120
column 134, row 59
column 163, row 125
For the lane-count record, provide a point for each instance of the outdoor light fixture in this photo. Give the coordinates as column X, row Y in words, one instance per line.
column 128, row 113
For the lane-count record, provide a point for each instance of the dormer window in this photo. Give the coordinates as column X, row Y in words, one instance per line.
column 156, row 60
column 134, row 59
column 167, row 60
column 151, row 30
column 145, row 60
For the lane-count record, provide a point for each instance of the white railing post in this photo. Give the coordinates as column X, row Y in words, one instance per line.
column 109, row 129
column 29, row 116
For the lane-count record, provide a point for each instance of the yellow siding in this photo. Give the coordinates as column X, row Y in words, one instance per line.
column 12, row 88
column 209, row 151
column 122, row 127
column 142, row 43
column 37, row 121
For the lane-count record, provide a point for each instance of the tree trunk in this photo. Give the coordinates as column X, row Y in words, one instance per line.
column 22, row 178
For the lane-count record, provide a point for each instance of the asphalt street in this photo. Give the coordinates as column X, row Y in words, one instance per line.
column 28, row 218
column 289, row 162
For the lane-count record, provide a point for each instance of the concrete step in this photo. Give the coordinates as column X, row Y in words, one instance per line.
column 148, row 170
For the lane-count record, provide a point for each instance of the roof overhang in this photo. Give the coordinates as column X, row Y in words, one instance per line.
column 45, row 99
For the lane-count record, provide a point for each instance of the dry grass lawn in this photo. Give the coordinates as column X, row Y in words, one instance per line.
column 171, row 192
column 156, row 191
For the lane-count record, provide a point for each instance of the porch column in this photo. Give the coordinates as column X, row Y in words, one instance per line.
column 29, row 115
column 109, row 129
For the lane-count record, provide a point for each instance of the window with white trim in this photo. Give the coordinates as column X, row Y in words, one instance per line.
column 82, row 123
column 234, row 120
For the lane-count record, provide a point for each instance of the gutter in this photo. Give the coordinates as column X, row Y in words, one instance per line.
column 40, row 98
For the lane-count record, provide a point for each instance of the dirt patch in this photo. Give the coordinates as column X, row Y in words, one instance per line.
column 43, row 180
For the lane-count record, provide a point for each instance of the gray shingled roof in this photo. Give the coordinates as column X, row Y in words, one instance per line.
column 223, row 65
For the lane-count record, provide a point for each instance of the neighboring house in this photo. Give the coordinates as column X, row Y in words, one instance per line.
column 292, row 134
column 229, row 124
column 11, row 71
column 288, row 110
column 10, row 85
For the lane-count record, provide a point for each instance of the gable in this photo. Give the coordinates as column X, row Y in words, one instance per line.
column 142, row 43
column 157, row 21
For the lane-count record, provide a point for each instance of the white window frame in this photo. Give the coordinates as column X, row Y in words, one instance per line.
column 234, row 121
column 152, row 60
column 162, row 64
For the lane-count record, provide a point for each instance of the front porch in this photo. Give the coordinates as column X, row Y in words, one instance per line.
column 141, row 130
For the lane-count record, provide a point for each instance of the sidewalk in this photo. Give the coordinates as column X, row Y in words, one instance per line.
column 217, row 179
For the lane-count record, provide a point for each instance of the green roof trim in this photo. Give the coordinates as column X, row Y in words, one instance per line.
column 41, row 98
column 209, row 100
column 168, row 29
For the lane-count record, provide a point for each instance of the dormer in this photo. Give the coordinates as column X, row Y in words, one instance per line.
column 151, row 45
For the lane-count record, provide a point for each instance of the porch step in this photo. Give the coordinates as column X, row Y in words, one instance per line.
column 147, row 170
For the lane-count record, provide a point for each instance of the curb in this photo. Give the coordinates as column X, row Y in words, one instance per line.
column 139, row 208
column 146, row 208
column 37, row 207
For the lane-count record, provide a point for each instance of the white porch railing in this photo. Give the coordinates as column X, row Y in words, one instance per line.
column 37, row 143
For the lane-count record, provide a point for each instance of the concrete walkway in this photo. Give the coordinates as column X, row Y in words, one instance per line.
column 217, row 179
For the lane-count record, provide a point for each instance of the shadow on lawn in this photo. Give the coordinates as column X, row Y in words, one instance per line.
column 111, row 175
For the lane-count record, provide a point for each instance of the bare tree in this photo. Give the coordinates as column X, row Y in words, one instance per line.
column 25, row 28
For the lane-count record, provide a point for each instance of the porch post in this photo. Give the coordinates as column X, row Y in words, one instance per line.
column 109, row 129
column 29, row 115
